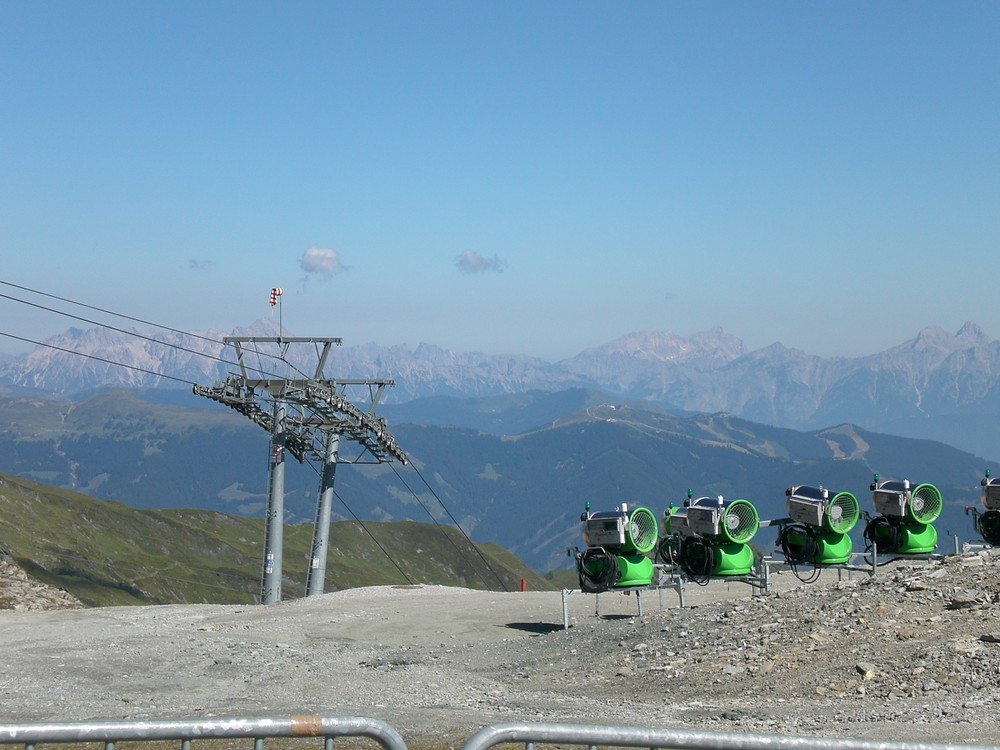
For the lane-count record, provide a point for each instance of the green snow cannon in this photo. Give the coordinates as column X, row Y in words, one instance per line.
column 906, row 514
column 988, row 524
column 617, row 543
column 709, row 537
column 818, row 534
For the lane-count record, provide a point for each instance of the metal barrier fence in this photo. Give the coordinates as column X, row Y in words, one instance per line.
column 187, row 730
column 676, row 739
column 527, row 734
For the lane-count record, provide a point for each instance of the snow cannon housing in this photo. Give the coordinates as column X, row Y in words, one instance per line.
column 906, row 514
column 988, row 524
column 814, row 507
column 675, row 521
column 734, row 521
column 621, row 530
column 821, row 523
column 617, row 543
column 708, row 537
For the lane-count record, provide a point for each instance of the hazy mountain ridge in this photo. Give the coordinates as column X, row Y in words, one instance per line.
column 936, row 385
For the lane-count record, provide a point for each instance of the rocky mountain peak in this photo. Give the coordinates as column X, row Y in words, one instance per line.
column 935, row 338
column 973, row 333
column 932, row 337
column 669, row 347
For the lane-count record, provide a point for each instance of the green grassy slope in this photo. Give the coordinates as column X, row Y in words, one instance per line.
column 106, row 553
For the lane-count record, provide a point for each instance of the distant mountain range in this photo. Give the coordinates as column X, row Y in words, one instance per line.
column 936, row 386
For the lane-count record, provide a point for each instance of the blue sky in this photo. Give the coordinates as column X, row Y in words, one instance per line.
column 513, row 177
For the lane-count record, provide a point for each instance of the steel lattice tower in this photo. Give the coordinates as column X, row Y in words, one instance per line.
column 305, row 416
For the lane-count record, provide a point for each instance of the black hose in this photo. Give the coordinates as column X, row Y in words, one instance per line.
column 801, row 549
column 882, row 533
column 799, row 544
column 598, row 570
column 697, row 559
column 666, row 550
column 989, row 527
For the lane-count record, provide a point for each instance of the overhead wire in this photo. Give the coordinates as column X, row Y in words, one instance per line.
column 103, row 310
column 378, row 544
column 366, row 529
column 135, row 334
column 457, row 524
column 99, row 359
column 259, row 369
column 434, row 520
column 436, row 523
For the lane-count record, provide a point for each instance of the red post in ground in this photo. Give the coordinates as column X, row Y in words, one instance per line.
column 524, row 585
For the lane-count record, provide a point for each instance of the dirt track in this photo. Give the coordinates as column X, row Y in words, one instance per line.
column 913, row 653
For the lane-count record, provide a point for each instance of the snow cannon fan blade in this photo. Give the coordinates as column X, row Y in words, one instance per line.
column 622, row 530
column 925, row 504
column 842, row 513
column 740, row 521
column 723, row 520
column 642, row 531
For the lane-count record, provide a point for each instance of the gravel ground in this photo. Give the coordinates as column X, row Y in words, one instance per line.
column 912, row 653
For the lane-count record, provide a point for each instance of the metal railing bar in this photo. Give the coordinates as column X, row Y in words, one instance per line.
column 679, row 739
column 109, row 732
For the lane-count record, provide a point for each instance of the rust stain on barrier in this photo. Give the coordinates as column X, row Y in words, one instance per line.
column 307, row 726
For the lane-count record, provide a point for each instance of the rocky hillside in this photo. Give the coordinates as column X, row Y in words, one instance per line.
column 912, row 653
column 916, row 646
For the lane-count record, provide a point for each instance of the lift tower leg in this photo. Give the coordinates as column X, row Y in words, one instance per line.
column 270, row 583
column 316, row 578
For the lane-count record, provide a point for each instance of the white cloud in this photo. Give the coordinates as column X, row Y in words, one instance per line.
column 322, row 261
column 472, row 262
